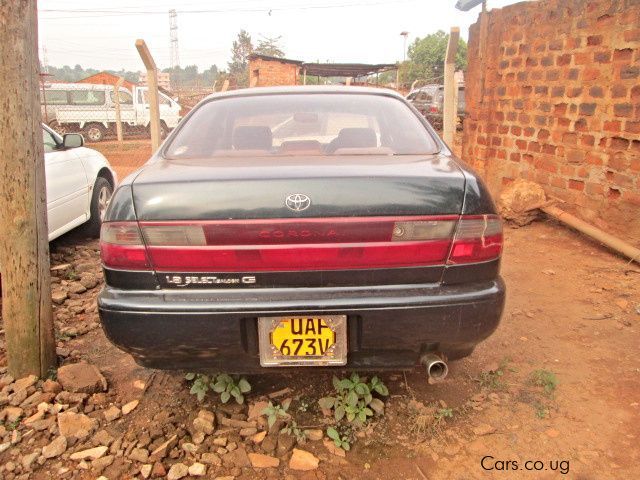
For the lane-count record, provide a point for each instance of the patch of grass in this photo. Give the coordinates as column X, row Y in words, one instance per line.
column 494, row 379
column 545, row 379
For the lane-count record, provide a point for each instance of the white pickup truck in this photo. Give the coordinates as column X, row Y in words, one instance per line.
column 91, row 109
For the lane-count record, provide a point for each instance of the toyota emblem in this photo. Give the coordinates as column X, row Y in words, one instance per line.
column 297, row 202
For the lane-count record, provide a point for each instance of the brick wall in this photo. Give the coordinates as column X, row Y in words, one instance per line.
column 553, row 95
column 265, row 73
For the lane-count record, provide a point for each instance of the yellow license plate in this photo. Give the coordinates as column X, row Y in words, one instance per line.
column 312, row 340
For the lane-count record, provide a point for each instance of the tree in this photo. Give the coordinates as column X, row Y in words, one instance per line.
column 426, row 58
column 269, row 46
column 24, row 249
column 239, row 64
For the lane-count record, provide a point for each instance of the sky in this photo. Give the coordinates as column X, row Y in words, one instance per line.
column 101, row 35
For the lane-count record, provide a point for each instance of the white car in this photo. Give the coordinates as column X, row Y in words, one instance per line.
column 80, row 183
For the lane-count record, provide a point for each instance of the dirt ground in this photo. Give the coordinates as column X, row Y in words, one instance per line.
column 555, row 392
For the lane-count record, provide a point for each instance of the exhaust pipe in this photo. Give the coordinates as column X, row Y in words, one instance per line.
column 437, row 368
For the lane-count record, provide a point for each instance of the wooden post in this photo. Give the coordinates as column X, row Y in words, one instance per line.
column 24, row 249
column 450, row 109
column 225, row 85
column 152, row 93
column 304, row 77
column 116, row 90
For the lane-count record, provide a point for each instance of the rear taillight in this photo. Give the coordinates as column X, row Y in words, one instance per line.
column 478, row 238
column 301, row 244
column 121, row 246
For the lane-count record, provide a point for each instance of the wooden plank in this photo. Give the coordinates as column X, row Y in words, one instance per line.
column 152, row 93
column 24, row 249
column 450, row 109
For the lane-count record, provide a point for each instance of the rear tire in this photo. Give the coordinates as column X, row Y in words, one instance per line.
column 102, row 191
column 94, row 132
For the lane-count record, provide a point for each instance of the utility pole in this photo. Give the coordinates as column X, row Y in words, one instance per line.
column 152, row 93
column 450, row 109
column 173, row 44
column 24, row 249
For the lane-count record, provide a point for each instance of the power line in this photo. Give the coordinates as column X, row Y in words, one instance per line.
column 89, row 13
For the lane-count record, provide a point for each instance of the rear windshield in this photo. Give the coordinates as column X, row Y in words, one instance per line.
column 296, row 124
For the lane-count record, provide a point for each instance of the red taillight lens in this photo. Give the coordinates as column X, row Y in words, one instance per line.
column 300, row 244
column 478, row 239
column 121, row 246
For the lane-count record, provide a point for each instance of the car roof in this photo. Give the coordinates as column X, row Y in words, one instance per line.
column 257, row 91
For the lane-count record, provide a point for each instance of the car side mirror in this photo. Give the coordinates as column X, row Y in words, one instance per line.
column 72, row 140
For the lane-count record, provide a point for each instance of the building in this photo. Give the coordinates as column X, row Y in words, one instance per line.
column 164, row 79
column 265, row 70
column 106, row 78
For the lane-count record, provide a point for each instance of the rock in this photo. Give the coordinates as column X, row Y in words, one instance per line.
column 139, row 455
column 233, row 423
column 36, row 417
column 101, row 463
column 158, row 470
column 519, row 201
column 198, row 438
column 285, row 444
column 51, row 386
column 189, row 448
column 220, row 441
column 88, row 281
column 211, row 459
column 269, row 443
column 258, row 460
column 76, row 425
column 82, row 267
column 145, row 470
column 483, row 429
column 197, row 470
column 77, row 287
column 127, row 408
column 259, row 437
column 59, row 296
column 11, row 414
column 102, row 438
column 81, row 378
column 237, row 458
column 71, row 398
column 24, row 383
column 333, row 449
column 89, row 454
column 5, row 446
column 256, row 409
column 18, row 397
column 202, row 425
column 161, row 452
column 177, row 471
column 112, row 413
column 56, row 448
column 314, row 434
column 248, row 432
column 303, row 460
column 28, row 460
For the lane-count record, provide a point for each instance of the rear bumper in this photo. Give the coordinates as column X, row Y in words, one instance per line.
column 388, row 326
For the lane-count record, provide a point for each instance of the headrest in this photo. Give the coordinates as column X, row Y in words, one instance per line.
column 357, row 138
column 252, row 138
